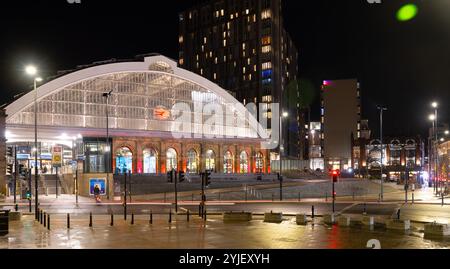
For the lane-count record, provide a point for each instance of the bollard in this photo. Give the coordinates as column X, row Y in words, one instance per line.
column 398, row 214
column 413, row 197
column 187, row 216
column 68, row 221
column 199, row 210
column 204, row 215
column 17, row 207
column 151, row 217
column 312, row 210
column 45, row 219
column 48, row 221
column 90, row 219
column 41, row 216
column 112, row 220
column 132, row 218
column 365, row 209
column 38, row 215
column 170, row 216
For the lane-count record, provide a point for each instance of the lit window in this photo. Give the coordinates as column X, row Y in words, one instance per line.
column 222, row 12
column 254, row 67
column 201, row 71
column 250, row 77
column 203, row 48
column 266, row 40
column 224, row 42
column 267, row 99
column 180, row 39
column 217, row 13
column 216, row 60
column 215, row 76
column 224, row 58
column 204, row 40
column 181, row 61
column 254, row 18
column 266, row 65
column 266, row 14
column 243, row 46
column 266, row 49
column 243, row 54
column 210, row 54
column 197, row 57
column 248, row 61
column 243, row 69
column 247, row 11
column 231, row 16
column 228, row 25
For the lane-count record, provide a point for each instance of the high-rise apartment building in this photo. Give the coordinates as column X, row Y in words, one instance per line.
column 243, row 47
column 341, row 121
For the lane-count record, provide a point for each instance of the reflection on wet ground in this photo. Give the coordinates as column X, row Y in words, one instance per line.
column 197, row 234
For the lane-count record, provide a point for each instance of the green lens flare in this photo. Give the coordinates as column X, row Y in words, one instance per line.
column 407, row 12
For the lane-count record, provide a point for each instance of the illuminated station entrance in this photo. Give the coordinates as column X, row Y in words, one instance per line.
column 142, row 127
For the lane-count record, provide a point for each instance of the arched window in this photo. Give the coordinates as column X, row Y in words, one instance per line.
column 210, row 160
column 243, row 165
column 228, row 163
column 192, row 162
column 259, row 162
column 150, row 160
column 124, row 160
column 171, row 156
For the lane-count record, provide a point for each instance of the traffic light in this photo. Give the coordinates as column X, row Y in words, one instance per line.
column 335, row 175
column 9, row 169
column 28, row 195
column 181, row 176
column 22, row 170
column 207, row 178
column 170, row 176
column 9, row 152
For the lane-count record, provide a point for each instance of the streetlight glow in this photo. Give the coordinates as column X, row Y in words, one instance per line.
column 434, row 104
column 432, row 117
column 285, row 114
column 31, row 70
column 38, row 79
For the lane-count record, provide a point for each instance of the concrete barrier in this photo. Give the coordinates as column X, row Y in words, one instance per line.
column 15, row 216
column 237, row 216
column 396, row 224
column 301, row 219
column 436, row 229
column 344, row 221
column 273, row 217
column 368, row 221
column 329, row 219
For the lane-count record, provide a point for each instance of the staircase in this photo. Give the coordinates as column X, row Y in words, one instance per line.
column 48, row 185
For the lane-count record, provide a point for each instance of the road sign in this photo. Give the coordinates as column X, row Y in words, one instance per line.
column 57, row 152
column 100, row 182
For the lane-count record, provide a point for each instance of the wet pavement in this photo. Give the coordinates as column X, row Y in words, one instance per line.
column 197, row 234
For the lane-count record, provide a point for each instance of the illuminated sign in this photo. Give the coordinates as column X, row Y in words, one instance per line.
column 161, row 113
column 57, row 156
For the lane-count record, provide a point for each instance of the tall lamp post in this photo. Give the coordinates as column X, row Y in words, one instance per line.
column 108, row 147
column 436, row 126
column 283, row 115
column 432, row 152
column 381, row 109
column 32, row 71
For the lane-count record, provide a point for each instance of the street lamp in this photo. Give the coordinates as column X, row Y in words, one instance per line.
column 381, row 109
column 435, row 105
column 108, row 147
column 32, row 71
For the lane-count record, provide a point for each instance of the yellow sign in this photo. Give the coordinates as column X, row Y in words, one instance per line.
column 57, row 156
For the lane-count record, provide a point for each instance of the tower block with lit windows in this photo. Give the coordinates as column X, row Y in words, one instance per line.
column 242, row 46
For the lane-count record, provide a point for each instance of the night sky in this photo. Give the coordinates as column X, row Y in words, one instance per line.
column 404, row 65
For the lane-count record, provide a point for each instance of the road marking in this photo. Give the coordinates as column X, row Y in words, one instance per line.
column 347, row 208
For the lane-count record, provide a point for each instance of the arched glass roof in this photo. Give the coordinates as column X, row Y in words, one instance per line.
column 143, row 94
